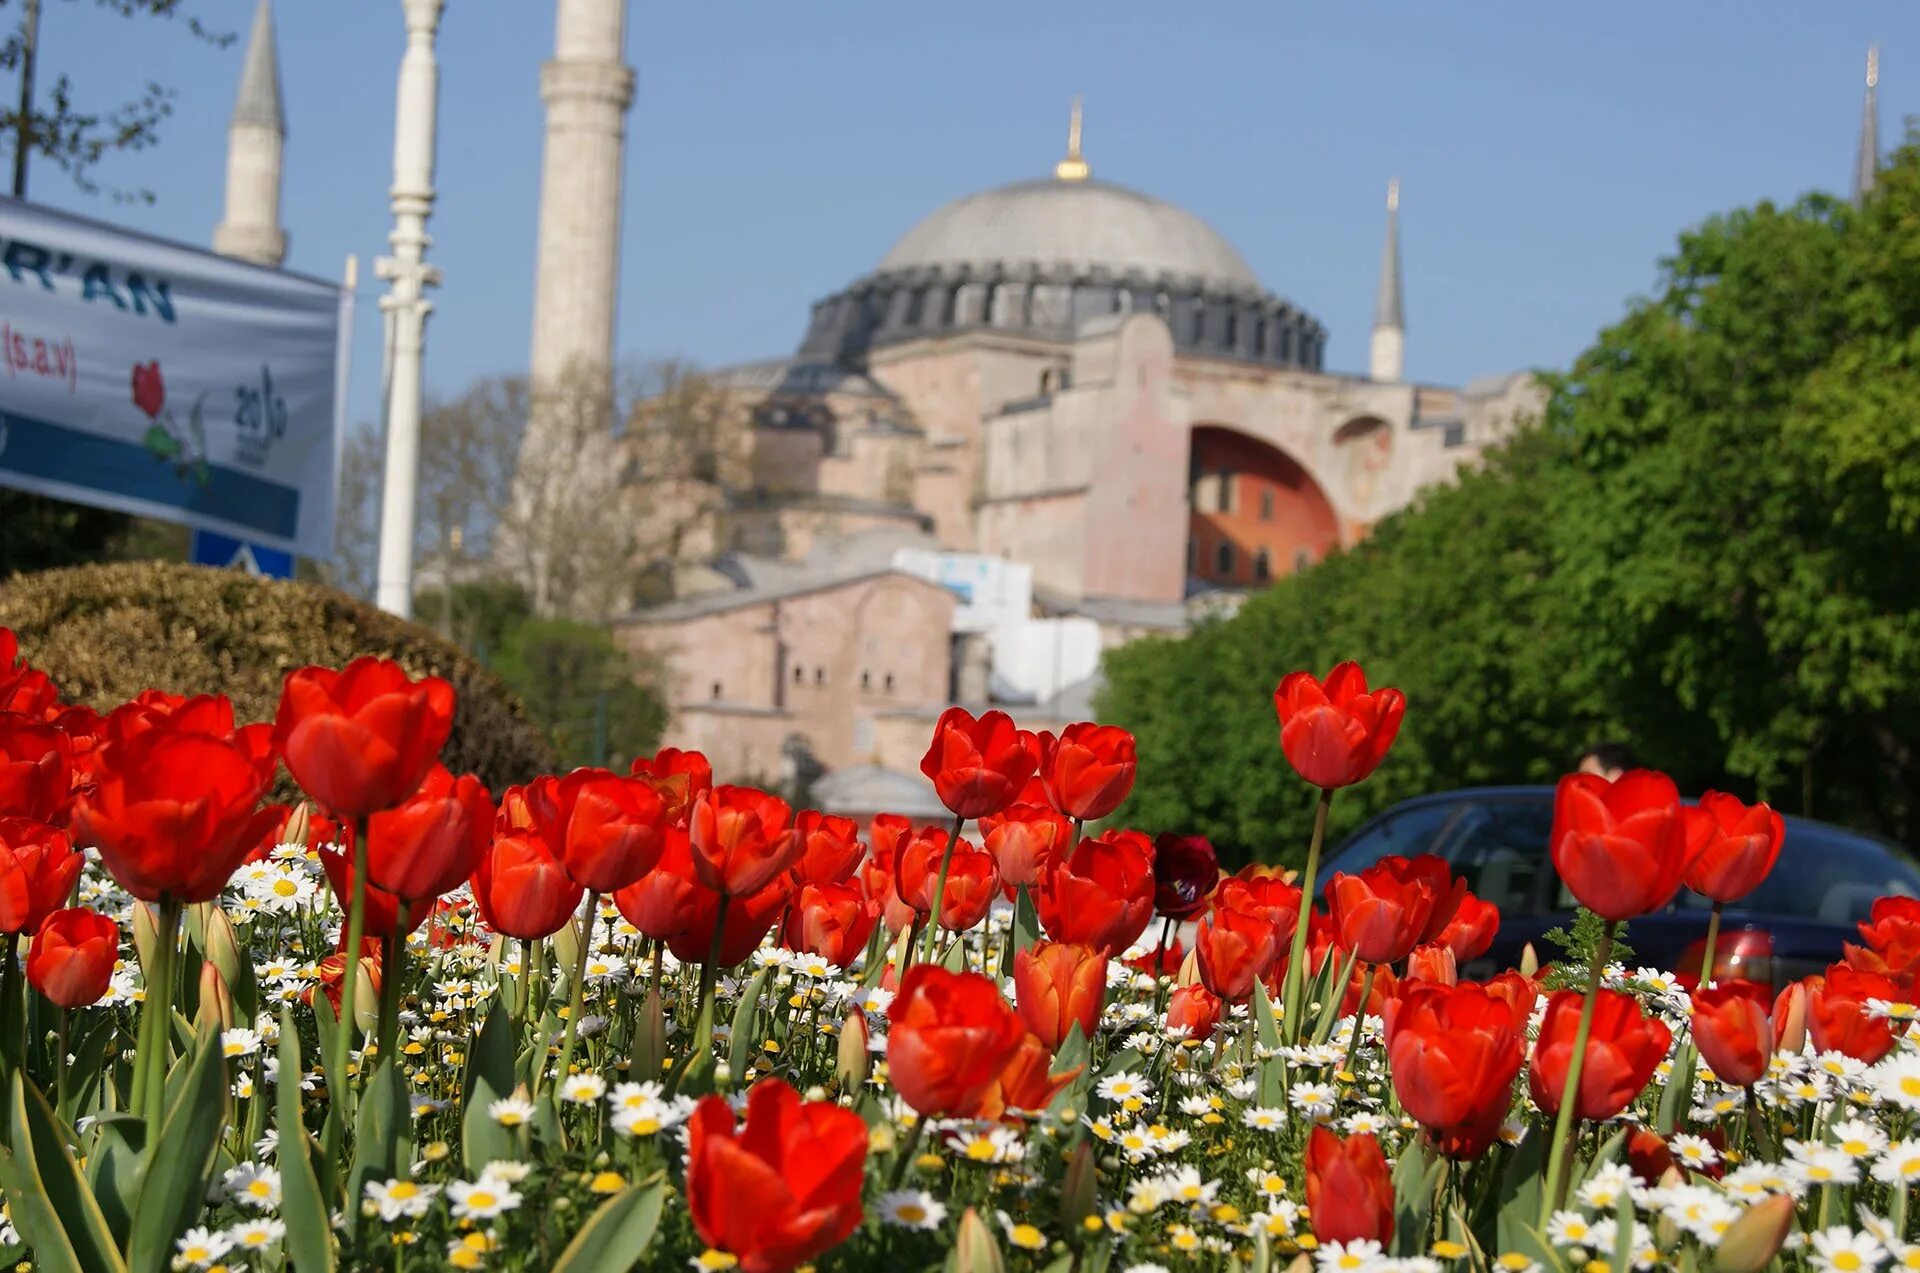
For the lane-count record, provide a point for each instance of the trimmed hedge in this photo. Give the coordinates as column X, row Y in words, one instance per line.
column 106, row 632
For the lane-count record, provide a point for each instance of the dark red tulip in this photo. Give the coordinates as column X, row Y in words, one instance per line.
column 1336, row 733
column 1185, row 869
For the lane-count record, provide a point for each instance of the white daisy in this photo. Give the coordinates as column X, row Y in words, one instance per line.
column 910, row 1209
column 482, row 1199
column 396, row 1198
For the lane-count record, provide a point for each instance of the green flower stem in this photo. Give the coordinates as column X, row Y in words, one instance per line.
column 156, row 1024
column 1293, row 989
column 350, row 976
column 1359, row 1016
column 523, row 990
column 1564, row 1123
column 1160, row 978
column 709, row 973
column 906, row 1152
column 393, row 960
column 940, row 891
column 1713, row 942
column 577, row 994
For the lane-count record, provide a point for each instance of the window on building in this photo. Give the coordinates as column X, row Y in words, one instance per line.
column 1223, row 560
column 887, row 685
column 819, row 676
column 1046, row 380
column 1266, row 506
column 866, row 681
column 1197, row 324
column 1233, row 329
column 799, row 675
column 1260, row 338
column 716, row 691
column 1302, row 558
column 1225, row 498
column 1263, row 565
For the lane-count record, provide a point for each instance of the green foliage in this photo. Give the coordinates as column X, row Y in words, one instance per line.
column 1577, row 947
column 589, row 693
column 1703, row 549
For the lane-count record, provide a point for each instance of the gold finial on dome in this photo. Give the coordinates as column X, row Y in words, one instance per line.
column 1873, row 65
column 1393, row 194
column 1073, row 167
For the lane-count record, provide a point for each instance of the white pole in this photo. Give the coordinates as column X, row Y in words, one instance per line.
column 405, row 303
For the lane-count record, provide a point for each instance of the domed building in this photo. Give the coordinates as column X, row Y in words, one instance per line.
column 1064, row 375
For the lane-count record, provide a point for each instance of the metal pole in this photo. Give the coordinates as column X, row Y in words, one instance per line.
column 23, row 126
column 405, row 302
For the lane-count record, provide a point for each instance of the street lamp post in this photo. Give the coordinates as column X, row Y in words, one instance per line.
column 405, row 306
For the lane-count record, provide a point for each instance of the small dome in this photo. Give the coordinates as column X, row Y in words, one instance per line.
column 1083, row 224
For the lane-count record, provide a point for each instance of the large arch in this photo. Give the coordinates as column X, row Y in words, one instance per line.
column 1256, row 513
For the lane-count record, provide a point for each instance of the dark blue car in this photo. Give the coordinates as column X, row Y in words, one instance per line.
column 1496, row 837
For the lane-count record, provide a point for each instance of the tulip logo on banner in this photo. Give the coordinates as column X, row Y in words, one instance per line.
column 166, row 440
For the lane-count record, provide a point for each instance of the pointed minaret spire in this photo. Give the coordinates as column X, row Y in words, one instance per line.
column 1073, row 167
column 256, row 139
column 1389, row 310
column 1866, row 165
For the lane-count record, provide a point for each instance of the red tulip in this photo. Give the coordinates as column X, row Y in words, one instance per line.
column 1056, row 986
column 1434, row 964
column 35, row 771
column 174, row 813
column 72, row 957
column 1621, row 847
column 749, row 918
column 333, row 973
column 521, row 886
column 1892, row 934
column 1453, row 1052
column 876, row 872
column 663, row 902
column 973, row 878
column 978, row 766
column 607, row 830
column 1349, row 1193
column 210, row 714
column 1733, row 846
column 1027, row 1083
column 1088, row 770
column 360, row 739
column 149, row 389
column 949, row 1036
column 680, row 777
column 1234, row 949
column 831, row 921
column 1196, row 1010
column 1470, row 933
column 1185, row 869
column 23, row 687
column 1262, row 890
column 1335, row 734
column 741, row 838
column 1838, row 1017
column 780, row 1188
column 430, row 844
column 1101, row 894
column 1623, row 1050
column 1025, row 839
column 830, row 848
column 1381, row 913
column 1518, row 992
column 387, row 914
column 38, row 866
column 1731, row 1031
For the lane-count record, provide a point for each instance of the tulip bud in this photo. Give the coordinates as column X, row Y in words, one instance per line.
column 1189, row 970
column 196, row 924
column 1666, row 1231
column 146, row 936
column 566, row 948
column 1750, row 1243
column 974, row 1249
column 1529, row 961
column 366, row 997
column 851, row 1063
column 299, row 825
column 216, row 1001
column 223, row 947
column 1077, row 1187
column 1790, row 1019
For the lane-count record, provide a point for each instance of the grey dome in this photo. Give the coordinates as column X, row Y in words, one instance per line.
column 1079, row 224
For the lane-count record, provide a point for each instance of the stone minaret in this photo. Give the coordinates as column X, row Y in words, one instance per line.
column 250, row 230
column 587, row 89
column 1387, row 357
column 1866, row 165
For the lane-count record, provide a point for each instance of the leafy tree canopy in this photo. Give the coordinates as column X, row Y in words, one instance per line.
column 1707, row 547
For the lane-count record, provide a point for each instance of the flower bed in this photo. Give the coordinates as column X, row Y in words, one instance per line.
column 608, row 1021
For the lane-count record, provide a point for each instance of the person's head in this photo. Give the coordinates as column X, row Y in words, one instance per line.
column 1609, row 760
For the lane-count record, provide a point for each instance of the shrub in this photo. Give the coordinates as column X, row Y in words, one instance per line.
column 106, row 632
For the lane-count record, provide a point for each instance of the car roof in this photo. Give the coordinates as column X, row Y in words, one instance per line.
column 1536, row 791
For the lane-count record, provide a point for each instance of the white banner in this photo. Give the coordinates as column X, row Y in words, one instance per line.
column 158, row 379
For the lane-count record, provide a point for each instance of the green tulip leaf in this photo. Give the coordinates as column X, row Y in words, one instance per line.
column 740, row 1047
column 66, row 1217
column 302, row 1206
column 617, row 1235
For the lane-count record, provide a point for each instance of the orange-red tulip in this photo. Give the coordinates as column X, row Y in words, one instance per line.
column 1027, row 1083
column 1839, row 1019
column 1234, row 948
column 949, row 1036
column 1623, row 1050
column 973, row 879
column 1195, row 1009
column 431, row 842
column 1733, row 845
column 830, row 848
column 1058, row 985
column 1470, row 932
column 741, row 838
column 1025, row 839
column 521, row 886
column 1088, row 770
column 38, row 865
column 1731, row 1030
column 1349, row 1193
column 1336, row 733
column 1101, row 894
column 831, row 921
column 681, row 777
column 1382, row 912
column 979, row 766
column 72, row 957
column 1621, row 847
column 662, row 902
column 1892, row 934
column 781, row 1188
column 749, row 918
column 1453, row 1052
column 360, row 739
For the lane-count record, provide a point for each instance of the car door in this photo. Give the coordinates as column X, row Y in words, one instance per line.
column 1498, row 844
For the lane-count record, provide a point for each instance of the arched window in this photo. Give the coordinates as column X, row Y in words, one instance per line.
column 1233, row 330
column 1263, row 565
column 887, row 685
column 1223, row 560
column 1260, row 338
column 1266, row 506
column 1197, row 323
column 1225, row 501
column 799, row 675
column 1046, row 380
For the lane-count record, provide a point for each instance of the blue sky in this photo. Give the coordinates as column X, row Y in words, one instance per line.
column 1548, row 153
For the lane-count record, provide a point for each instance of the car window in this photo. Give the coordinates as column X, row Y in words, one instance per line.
column 1407, row 832
column 1825, row 874
column 1500, row 848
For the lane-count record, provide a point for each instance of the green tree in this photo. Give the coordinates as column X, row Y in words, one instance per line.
column 591, row 695
column 1703, row 548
